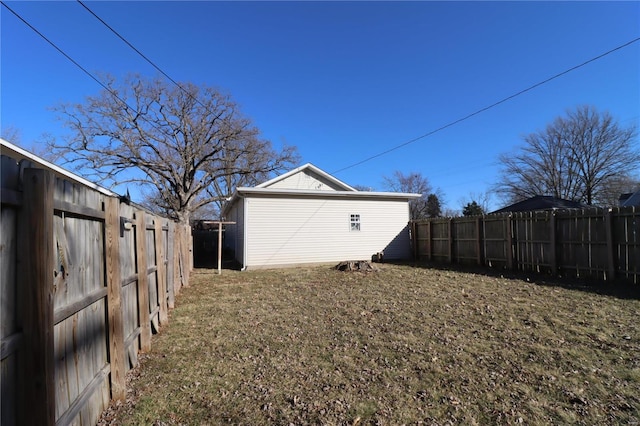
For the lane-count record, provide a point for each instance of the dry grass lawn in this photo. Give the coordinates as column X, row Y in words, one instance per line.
column 402, row 345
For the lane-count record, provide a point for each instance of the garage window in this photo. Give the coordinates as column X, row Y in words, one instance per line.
column 355, row 222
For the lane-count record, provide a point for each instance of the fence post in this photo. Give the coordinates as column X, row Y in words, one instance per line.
column 429, row 237
column 611, row 264
column 143, row 281
column 553, row 249
column 414, row 240
column 161, row 271
column 171, row 277
column 36, row 266
column 450, row 240
column 114, row 287
column 189, row 249
column 177, row 280
column 509, row 242
column 479, row 221
column 186, row 254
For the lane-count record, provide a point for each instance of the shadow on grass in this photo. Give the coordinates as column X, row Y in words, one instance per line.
column 619, row 288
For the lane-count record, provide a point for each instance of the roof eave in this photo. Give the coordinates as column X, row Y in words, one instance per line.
column 241, row 191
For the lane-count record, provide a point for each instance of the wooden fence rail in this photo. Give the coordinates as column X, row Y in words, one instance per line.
column 84, row 282
column 602, row 244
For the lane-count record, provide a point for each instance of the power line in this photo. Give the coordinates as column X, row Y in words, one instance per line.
column 130, row 45
column 380, row 154
column 107, row 88
column 446, row 126
column 65, row 55
column 142, row 55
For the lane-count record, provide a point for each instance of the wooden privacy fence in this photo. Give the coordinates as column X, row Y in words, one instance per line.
column 601, row 244
column 84, row 282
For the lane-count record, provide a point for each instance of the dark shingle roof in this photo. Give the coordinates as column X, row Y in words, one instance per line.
column 541, row 202
column 632, row 199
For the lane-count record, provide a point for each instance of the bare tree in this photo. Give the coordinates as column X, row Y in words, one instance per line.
column 191, row 145
column 11, row 134
column 363, row 188
column 579, row 157
column 413, row 183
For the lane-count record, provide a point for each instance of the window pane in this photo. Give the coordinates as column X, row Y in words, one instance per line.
column 355, row 222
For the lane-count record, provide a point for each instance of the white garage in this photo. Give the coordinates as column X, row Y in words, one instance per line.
column 307, row 216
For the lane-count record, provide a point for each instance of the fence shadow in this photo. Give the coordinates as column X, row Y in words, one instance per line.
column 617, row 288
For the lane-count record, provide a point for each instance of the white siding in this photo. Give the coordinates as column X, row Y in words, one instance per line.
column 283, row 231
column 306, row 180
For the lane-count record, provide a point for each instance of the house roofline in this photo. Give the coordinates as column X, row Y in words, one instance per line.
column 314, row 169
column 242, row 192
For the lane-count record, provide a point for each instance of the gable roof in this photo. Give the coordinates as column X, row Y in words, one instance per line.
column 541, row 202
column 633, row 199
column 335, row 189
column 308, row 170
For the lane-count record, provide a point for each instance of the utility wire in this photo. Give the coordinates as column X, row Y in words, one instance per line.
column 446, row 126
column 142, row 55
column 380, row 154
column 94, row 78
column 66, row 56
column 130, row 45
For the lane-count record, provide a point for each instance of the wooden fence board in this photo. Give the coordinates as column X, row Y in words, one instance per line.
column 62, row 337
column 151, row 272
column 128, row 280
column 114, row 304
column 8, row 390
column 590, row 243
column 36, row 243
column 10, row 338
column 169, row 236
column 465, row 240
column 161, row 270
column 143, row 282
column 495, row 240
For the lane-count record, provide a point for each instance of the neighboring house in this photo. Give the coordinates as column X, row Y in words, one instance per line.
column 631, row 199
column 541, row 202
column 308, row 216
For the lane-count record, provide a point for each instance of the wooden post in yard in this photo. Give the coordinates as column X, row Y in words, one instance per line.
column 161, row 271
column 143, row 281
column 114, row 286
column 35, row 266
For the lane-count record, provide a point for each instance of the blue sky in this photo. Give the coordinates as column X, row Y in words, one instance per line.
column 344, row 81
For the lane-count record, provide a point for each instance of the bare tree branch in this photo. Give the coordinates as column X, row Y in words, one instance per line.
column 191, row 148
column 580, row 157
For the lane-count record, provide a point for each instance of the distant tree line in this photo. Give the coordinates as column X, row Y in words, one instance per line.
column 585, row 156
column 191, row 147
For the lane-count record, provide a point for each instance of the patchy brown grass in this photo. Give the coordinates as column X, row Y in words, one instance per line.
column 403, row 345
